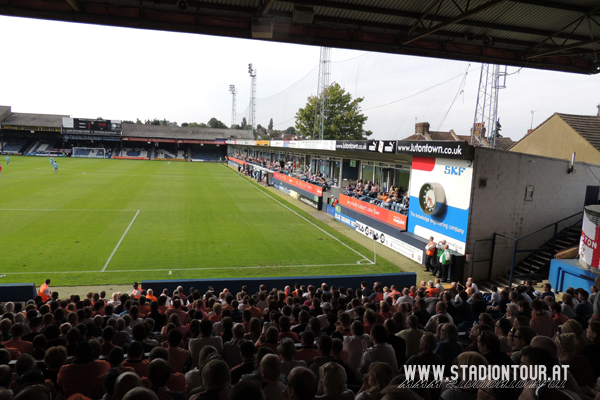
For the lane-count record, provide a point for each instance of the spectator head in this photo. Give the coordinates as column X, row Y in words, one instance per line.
column 110, row 379
column 159, row 372
column 488, row 342
column 140, row 393
column 206, row 328
column 135, row 351
column 115, row 357
column 469, row 358
column 175, row 337
column 270, row 368
column 302, row 384
column 324, row 345
column 428, row 342
column 523, row 336
column 83, row 352
column 55, row 357
column 333, row 378
column 250, row 389
column 380, row 375
column 378, row 334
column 247, row 350
column 158, row 352
column 286, row 348
column 124, row 383
column 25, row 363
column 593, row 332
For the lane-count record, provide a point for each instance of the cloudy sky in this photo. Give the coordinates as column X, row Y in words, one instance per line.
column 89, row 71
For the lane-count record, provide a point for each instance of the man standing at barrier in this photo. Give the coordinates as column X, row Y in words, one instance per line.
column 429, row 252
column 45, row 293
column 445, row 261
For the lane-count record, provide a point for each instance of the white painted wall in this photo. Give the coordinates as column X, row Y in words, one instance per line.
column 501, row 207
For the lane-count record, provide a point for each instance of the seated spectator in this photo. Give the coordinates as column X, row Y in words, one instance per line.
column 135, row 354
column 449, row 348
column 542, row 321
column 85, row 375
column 380, row 351
column 578, row 365
column 247, row 351
column 573, row 326
column 159, row 372
column 54, row 359
column 308, row 351
column 194, row 377
column 490, row 348
column 332, row 383
column 378, row 377
column 584, row 309
column 468, row 359
column 287, row 350
column 178, row 357
column 231, row 349
column 324, row 344
column 16, row 342
column 501, row 328
column 270, row 369
column 204, row 339
column 302, row 385
column 522, row 338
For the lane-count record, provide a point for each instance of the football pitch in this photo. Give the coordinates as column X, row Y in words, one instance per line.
column 119, row 221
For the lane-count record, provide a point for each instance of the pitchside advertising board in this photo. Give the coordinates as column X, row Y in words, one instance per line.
column 388, row 241
column 386, row 216
column 440, row 195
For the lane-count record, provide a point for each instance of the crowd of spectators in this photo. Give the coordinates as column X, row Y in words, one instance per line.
column 396, row 198
column 299, row 343
column 288, row 168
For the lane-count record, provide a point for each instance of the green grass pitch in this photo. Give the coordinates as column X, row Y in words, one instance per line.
column 118, row 221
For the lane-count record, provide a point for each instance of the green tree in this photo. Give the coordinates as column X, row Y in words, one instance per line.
column 265, row 137
column 127, row 122
column 243, row 123
column 271, row 124
column 138, row 122
column 498, row 129
column 215, row 123
column 343, row 120
column 290, row 131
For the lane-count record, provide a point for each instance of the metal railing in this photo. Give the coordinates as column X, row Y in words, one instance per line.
column 549, row 245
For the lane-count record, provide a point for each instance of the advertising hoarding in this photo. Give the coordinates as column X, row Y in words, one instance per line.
column 388, row 217
column 440, row 196
column 299, row 184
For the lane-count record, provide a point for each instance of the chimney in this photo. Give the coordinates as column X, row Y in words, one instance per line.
column 422, row 128
column 598, row 113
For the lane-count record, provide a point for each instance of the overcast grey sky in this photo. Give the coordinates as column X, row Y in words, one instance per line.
column 89, row 71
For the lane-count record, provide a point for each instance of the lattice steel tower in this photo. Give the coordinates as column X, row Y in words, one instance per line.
column 233, row 91
column 491, row 80
column 321, row 103
column 252, row 116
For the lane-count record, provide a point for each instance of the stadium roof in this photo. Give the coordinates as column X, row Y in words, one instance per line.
column 25, row 119
column 159, row 131
column 560, row 35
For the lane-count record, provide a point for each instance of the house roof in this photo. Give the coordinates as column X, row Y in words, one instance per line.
column 588, row 126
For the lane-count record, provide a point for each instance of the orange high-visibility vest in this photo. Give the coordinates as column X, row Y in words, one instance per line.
column 430, row 248
column 42, row 293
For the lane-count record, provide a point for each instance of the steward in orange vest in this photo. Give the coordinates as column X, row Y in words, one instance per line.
column 45, row 292
column 429, row 253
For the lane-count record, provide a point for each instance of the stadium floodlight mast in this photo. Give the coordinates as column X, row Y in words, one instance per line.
column 233, row 91
column 252, row 116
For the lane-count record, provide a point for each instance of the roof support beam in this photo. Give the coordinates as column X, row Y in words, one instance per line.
column 265, row 7
column 73, row 4
column 562, row 48
column 452, row 21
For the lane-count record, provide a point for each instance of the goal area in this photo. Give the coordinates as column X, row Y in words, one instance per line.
column 88, row 152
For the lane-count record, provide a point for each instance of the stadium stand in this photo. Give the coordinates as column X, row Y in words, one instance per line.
column 197, row 344
column 206, row 155
column 13, row 146
column 133, row 153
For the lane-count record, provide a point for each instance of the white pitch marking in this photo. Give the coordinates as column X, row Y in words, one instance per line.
column 169, row 163
column 188, row 269
column 310, row 222
column 59, row 209
column 118, row 244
